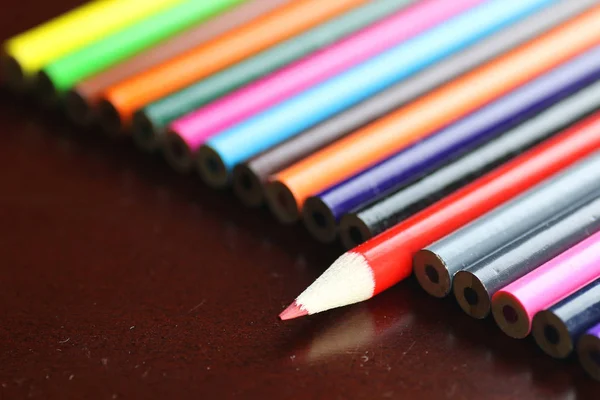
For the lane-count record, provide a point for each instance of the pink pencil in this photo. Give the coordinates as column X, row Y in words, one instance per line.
column 192, row 130
column 515, row 305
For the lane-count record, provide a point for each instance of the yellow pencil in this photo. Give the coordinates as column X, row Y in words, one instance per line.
column 25, row 54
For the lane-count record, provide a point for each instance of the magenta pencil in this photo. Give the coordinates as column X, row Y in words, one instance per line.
column 191, row 131
column 515, row 305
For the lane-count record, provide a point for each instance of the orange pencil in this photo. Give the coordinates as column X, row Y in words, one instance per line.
column 122, row 100
column 287, row 190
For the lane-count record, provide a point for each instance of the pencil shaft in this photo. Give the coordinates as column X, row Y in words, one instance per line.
column 92, row 87
column 410, row 164
column 321, row 102
column 387, row 212
column 73, row 30
column 588, row 349
column 475, row 241
column 226, row 50
column 167, row 109
column 72, row 68
column 205, row 122
column 480, row 238
column 281, row 156
column 580, row 310
column 386, row 259
column 546, row 285
column 557, row 329
column 437, row 109
column 538, row 246
column 595, row 331
column 401, row 242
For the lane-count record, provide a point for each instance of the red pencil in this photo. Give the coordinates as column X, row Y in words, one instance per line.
column 386, row 259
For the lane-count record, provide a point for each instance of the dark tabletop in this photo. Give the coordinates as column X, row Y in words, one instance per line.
column 121, row 279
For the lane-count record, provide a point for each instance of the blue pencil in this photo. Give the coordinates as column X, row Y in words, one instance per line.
column 557, row 329
column 221, row 153
column 323, row 211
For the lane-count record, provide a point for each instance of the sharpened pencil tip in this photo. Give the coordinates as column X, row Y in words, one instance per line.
column 293, row 311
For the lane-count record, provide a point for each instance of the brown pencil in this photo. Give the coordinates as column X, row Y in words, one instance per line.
column 120, row 101
column 81, row 100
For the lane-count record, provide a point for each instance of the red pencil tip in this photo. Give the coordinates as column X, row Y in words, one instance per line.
column 293, row 311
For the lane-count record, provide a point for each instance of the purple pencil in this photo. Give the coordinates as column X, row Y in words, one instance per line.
column 588, row 350
column 322, row 213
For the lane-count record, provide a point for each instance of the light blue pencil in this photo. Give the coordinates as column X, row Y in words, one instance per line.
column 221, row 153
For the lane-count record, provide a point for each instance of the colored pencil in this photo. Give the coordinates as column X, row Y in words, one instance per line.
column 250, row 176
column 322, row 212
column 557, row 329
column 25, row 54
column 191, row 131
column 150, row 121
column 119, row 102
column 62, row 74
column 294, row 115
column 588, row 349
column 81, row 100
column 289, row 188
column 515, row 305
column 436, row 264
column 386, row 259
column 372, row 219
column 475, row 285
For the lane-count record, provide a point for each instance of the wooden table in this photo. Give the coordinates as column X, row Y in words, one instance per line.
column 122, row 279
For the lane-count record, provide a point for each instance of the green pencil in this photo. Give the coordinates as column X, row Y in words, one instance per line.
column 150, row 121
column 61, row 75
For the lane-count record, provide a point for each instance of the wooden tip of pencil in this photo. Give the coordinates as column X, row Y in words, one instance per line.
column 247, row 186
column 177, row 153
column 78, row 108
column 588, row 350
column 44, row 89
column 510, row 315
column 471, row 294
column 292, row 311
column 211, row 167
column 109, row 118
column 282, row 202
column 551, row 334
column 319, row 220
column 353, row 231
column 431, row 273
column 145, row 135
column 12, row 74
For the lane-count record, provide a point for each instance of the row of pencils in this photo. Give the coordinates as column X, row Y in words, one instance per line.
column 458, row 141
